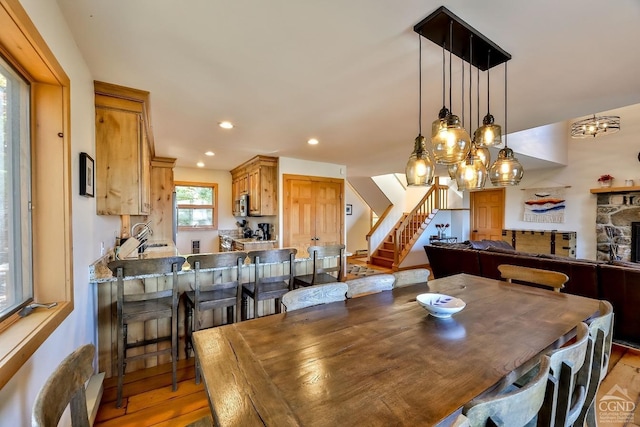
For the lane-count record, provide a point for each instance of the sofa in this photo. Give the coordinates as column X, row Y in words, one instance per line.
column 617, row 282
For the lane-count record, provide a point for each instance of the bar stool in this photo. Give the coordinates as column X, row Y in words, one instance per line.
column 272, row 286
column 226, row 293
column 140, row 307
column 321, row 273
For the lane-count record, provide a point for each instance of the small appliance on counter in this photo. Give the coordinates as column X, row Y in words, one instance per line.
column 265, row 227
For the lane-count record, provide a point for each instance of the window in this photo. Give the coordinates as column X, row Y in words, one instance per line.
column 196, row 204
column 36, row 265
column 15, row 192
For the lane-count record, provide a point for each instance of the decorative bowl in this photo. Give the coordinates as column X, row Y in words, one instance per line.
column 440, row 305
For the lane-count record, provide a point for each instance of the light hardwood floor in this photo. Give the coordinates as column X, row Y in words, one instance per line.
column 149, row 401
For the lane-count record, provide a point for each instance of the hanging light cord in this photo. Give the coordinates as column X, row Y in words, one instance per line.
column 470, row 84
column 463, row 61
column 450, row 49
column 443, row 73
column 505, row 105
column 419, row 84
column 488, row 80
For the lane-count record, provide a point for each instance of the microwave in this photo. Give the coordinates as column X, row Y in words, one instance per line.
column 242, row 205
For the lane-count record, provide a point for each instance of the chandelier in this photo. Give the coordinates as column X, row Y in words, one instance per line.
column 466, row 160
column 595, row 126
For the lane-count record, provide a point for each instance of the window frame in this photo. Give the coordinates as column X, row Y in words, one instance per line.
column 22, row 46
column 214, row 207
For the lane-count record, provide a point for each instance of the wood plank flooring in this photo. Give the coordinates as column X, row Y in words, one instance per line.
column 149, row 401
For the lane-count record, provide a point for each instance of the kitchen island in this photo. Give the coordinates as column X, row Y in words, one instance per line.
column 105, row 301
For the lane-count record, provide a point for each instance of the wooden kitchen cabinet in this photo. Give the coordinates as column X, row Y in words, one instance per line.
column 123, row 151
column 258, row 178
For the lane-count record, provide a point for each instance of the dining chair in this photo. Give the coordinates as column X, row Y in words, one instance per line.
column 145, row 306
column 410, row 277
column 600, row 337
column 65, row 387
column 551, row 279
column 370, row 285
column 515, row 409
column 222, row 289
column 281, row 263
column 323, row 273
column 314, row 295
column 568, row 381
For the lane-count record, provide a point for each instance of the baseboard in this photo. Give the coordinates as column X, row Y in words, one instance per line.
column 94, row 395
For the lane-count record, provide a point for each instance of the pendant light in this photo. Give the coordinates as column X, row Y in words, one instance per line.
column 451, row 144
column 489, row 134
column 440, row 123
column 482, row 152
column 420, row 168
column 506, row 170
column 471, row 173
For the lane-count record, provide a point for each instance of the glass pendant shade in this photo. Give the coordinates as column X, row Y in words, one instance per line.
column 483, row 153
column 489, row 134
column 440, row 123
column 506, row 170
column 471, row 174
column 451, row 144
column 420, row 169
column 452, row 170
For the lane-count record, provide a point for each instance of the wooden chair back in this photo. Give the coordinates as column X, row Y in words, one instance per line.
column 284, row 257
column 568, row 381
column 314, row 295
column 318, row 253
column 370, row 285
column 548, row 278
column 66, row 387
column 514, row 409
column 140, row 267
column 211, row 261
column 411, row 277
column 600, row 337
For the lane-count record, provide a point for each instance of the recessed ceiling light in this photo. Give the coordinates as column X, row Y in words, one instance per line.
column 200, row 164
column 226, row 125
column 209, row 153
column 312, row 141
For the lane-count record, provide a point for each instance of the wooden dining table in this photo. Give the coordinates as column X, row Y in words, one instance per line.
column 381, row 359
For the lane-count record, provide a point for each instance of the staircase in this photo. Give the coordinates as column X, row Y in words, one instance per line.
column 395, row 247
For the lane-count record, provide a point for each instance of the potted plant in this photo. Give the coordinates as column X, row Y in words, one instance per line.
column 605, row 180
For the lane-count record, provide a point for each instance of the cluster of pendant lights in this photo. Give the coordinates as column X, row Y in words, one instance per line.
column 468, row 160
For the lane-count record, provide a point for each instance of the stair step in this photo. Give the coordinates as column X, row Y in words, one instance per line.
column 381, row 262
column 388, row 246
column 385, row 253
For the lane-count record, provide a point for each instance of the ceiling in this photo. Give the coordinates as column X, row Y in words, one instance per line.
column 345, row 72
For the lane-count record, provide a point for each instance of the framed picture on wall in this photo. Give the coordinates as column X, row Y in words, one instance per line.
column 87, row 184
column 349, row 209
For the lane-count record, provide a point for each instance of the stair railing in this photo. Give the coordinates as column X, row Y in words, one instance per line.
column 412, row 225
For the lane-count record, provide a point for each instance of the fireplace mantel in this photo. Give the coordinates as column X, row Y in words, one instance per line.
column 614, row 189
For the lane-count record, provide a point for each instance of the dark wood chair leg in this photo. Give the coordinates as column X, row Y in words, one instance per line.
column 230, row 315
column 188, row 328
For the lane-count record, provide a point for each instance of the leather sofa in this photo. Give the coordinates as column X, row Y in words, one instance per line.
column 618, row 282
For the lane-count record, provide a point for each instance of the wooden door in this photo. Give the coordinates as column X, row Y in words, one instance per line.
column 313, row 209
column 487, row 214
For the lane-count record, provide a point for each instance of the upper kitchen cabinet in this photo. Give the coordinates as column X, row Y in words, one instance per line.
column 258, row 178
column 124, row 148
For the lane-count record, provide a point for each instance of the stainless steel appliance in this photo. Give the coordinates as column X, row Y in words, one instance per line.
column 243, row 205
column 265, row 227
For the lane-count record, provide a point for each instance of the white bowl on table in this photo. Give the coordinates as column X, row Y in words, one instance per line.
column 440, row 305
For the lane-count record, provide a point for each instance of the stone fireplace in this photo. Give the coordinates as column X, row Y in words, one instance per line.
column 616, row 212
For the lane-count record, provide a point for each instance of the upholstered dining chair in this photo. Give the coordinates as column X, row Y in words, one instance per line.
column 323, row 273
column 269, row 286
column 314, row 295
column 515, row 409
column 145, row 306
column 223, row 289
column 551, row 279
column 65, row 387
column 569, row 372
column 600, row 337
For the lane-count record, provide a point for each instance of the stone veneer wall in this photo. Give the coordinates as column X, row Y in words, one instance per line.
column 618, row 211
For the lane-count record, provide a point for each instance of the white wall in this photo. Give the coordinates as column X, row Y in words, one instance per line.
column 18, row 395
column 615, row 154
column 358, row 223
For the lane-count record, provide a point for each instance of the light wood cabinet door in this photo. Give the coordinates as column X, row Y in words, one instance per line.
column 258, row 178
column 313, row 212
column 254, row 192
column 122, row 163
